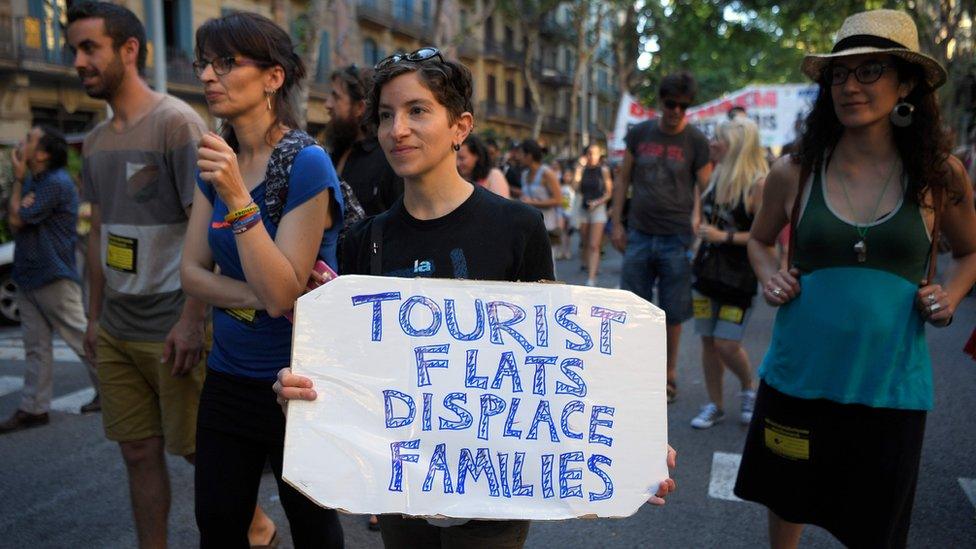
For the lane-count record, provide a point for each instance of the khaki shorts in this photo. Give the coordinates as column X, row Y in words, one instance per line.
column 141, row 399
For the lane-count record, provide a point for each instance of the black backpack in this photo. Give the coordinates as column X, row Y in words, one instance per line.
column 276, row 181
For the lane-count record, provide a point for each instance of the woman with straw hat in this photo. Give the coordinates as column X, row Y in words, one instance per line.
column 836, row 435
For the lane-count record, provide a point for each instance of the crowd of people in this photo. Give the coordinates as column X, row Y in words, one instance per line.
column 201, row 242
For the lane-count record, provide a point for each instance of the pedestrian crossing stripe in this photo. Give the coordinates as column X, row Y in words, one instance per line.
column 10, row 384
column 71, row 403
column 969, row 488
column 725, row 468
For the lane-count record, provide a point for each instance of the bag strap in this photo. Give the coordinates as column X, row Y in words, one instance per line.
column 376, row 248
column 937, row 195
column 279, row 169
column 795, row 212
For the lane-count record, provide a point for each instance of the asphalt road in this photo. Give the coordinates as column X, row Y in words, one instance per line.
column 64, row 485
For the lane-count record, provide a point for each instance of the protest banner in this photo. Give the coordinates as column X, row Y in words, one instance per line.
column 776, row 108
column 471, row 399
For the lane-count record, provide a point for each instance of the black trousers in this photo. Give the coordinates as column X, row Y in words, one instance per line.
column 239, row 427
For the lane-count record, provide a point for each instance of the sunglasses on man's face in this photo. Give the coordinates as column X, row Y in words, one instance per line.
column 671, row 104
column 423, row 54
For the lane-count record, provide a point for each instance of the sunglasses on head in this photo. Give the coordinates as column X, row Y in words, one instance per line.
column 671, row 104
column 423, row 54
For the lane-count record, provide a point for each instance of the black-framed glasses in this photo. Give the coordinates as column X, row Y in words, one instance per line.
column 423, row 54
column 671, row 104
column 865, row 73
column 221, row 65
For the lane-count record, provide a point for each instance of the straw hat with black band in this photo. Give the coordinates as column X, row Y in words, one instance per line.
column 878, row 31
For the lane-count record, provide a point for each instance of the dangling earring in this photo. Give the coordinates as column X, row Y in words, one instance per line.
column 901, row 115
column 456, row 147
column 268, row 95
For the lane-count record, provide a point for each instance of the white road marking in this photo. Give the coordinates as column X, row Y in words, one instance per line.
column 71, row 403
column 969, row 487
column 10, row 384
column 725, row 467
column 13, row 349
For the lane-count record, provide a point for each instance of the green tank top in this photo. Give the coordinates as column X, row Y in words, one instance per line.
column 898, row 243
column 853, row 334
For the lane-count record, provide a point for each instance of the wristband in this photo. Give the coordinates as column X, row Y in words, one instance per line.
column 729, row 237
column 242, row 225
column 243, row 212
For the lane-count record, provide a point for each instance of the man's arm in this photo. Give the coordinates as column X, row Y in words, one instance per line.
column 618, row 236
column 184, row 343
column 701, row 183
column 96, row 282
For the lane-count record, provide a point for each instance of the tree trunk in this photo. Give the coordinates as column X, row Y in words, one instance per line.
column 531, row 33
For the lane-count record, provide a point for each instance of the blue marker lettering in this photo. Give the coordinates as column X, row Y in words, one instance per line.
column 450, row 318
column 464, row 417
column 580, row 388
column 491, row 405
column 423, row 378
column 438, row 462
column 510, row 420
column 507, row 367
column 607, row 316
column 561, row 318
column 407, row 307
column 392, row 422
column 471, row 379
column 569, row 408
column 495, row 326
column 547, row 475
column 541, row 326
column 519, row 489
column 396, row 477
column 607, row 482
column 377, row 319
column 539, row 380
column 542, row 413
column 475, row 466
column 566, row 474
column 595, row 422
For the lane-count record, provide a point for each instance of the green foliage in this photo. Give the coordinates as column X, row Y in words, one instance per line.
column 730, row 44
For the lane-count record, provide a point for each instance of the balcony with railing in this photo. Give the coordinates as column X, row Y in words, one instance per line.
column 555, row 124
column 400, row 16
column 549, row 75
column 33, row 44
column 507, row 113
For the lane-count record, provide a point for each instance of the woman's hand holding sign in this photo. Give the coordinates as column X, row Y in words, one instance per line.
column 292, row 387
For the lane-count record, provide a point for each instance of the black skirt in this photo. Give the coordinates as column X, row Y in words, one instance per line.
column 848, row 468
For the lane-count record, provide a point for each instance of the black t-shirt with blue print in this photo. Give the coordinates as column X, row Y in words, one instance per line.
column 487, row 237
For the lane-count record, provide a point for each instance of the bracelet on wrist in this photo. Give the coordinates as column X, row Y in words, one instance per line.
column 241, row 226
column 241, row 213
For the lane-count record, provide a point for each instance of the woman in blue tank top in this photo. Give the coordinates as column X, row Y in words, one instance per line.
column 836, row 435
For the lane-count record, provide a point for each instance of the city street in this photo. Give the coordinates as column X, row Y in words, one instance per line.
column 64, row 485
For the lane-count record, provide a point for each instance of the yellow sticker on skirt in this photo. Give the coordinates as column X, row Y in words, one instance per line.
column 702, row 307
column 121, row 253
column 731, row 314
column 788, row 442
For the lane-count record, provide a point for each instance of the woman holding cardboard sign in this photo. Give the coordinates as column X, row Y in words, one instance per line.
column 847, row 380
column 421, row 104
column 267, row 205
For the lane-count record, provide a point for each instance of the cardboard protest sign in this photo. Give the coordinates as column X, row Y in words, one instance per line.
column 474, row 399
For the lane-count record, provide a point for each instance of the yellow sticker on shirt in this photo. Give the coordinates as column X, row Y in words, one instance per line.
column 244, row 315
column 731, row 314
column 122, row 253
column 788, row 442
column 702, row 307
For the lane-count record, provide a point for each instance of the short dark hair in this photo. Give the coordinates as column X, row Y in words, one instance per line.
column 258, row 38
column 677, row 84
column 531, row 148
column 120, row 24
column 52, row 142
column 449, row 81
column 735, row 110
column 478, row 148
column 356, row 80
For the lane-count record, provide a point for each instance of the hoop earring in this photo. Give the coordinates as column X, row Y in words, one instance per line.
column 901, row 115
column 456, row 147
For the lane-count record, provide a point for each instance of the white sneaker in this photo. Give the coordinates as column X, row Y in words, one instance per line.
column 591, row 283
column 748, row 399
column 710, row 415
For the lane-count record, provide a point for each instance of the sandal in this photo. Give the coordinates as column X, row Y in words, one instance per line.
column 672, row 391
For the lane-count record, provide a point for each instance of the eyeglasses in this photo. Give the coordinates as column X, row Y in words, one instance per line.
column 423, row 54
column 221, row 65
column 865, row 73
column 671, row 104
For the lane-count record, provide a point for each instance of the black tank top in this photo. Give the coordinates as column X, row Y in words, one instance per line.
column 591, row 183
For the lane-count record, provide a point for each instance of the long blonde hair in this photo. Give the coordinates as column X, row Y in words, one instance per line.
column 743, row 164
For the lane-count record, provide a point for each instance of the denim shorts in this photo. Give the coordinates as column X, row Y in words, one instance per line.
column 716, row 319
column 663, row 261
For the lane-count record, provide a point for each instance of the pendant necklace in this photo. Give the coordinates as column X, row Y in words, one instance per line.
column 861, row 246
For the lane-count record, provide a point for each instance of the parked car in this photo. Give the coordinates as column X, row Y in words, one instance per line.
column 9, row 314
